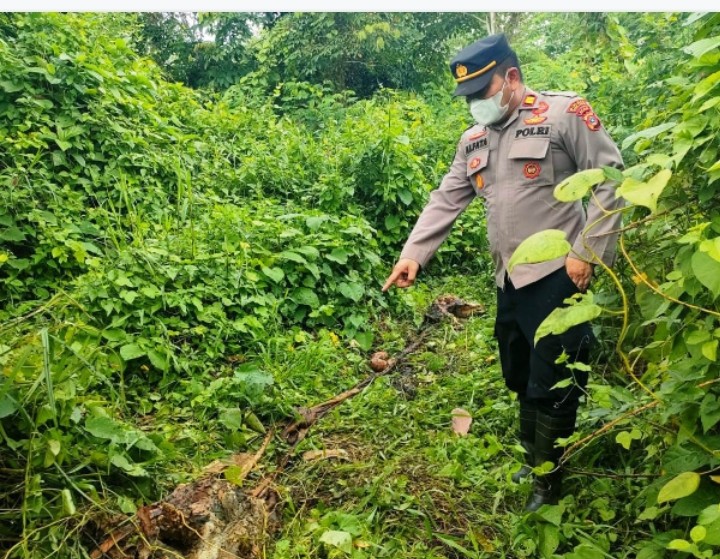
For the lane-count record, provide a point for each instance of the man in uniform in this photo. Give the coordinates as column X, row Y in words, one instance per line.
column 525, row 143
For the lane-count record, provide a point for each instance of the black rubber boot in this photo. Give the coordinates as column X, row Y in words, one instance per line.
column 547, row 488
column 528, row 419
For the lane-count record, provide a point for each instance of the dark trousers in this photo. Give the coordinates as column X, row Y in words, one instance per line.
column 531, row 370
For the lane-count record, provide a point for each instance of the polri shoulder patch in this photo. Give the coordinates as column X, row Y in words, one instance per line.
column 577, row 105
column 592, row 122
column 582, row 109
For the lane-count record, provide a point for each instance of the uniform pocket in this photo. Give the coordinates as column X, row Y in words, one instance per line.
column 477, row 174
column 531, row 161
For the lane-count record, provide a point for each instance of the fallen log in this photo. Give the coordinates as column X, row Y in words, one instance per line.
column 211, row 518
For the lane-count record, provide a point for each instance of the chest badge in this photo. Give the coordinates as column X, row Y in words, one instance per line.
column 536, row 119
column 475, row 163
column 529, row 101
column 479, row 182
column 531, row 170
column 478, row 135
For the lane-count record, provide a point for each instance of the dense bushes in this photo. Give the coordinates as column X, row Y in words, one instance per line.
column 88, row 143
column 97, row 144
column 665, row 286
column 198, row 294
column 150, row 235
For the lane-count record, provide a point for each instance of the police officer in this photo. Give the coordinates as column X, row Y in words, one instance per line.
column 523, row 144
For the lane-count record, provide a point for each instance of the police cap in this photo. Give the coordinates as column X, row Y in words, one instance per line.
column 473, row 66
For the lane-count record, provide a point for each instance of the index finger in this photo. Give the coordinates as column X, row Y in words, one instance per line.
column 391, row 279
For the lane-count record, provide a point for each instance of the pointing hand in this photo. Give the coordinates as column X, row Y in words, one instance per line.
column 403, row 274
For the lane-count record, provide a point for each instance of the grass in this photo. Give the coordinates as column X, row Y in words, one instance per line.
column 408, row 486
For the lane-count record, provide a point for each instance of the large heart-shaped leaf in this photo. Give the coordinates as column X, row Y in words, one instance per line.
column 576, row 186
column 562, row 319
column 707, row 271
column 338, row 538
column 540, row 247
column 644, row 193
column 680, row 486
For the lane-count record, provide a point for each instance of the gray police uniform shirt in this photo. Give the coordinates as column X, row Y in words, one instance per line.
column 514, row 167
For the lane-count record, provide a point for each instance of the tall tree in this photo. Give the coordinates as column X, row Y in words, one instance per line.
column 362, row 51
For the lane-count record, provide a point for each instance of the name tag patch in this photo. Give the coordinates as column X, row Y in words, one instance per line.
column 535, row 132
column 477, row 144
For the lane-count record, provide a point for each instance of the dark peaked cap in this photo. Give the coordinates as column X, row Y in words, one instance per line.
column 473, row 66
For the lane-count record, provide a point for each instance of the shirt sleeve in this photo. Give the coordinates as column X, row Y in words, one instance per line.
column 436, row 220
column 590, row 146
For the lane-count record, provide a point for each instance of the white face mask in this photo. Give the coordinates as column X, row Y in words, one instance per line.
column 488, row 111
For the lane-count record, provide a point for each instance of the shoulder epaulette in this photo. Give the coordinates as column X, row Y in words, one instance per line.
column 480, row 133
column 560, row 93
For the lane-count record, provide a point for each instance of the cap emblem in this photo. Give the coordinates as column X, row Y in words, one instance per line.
column 465, row 76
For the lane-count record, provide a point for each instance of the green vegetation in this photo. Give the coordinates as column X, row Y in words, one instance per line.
column 180, row 269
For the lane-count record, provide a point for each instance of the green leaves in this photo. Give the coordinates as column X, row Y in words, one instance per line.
column 707, row 271
column 339, row 255
column 232, row 418
column 305, row 296
column 339, row 539
column 680, row 486
column 540, row 247
column 703, row 46
column 625, row 438
column 8, row 406
column 562, row 319
column 576, row 186
column 709, row 412
column 365, row 340
column 104, row 428
column 131, row 351
column 275, row 274
column 647, row 133
column 353, row 291
column 644, row 193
